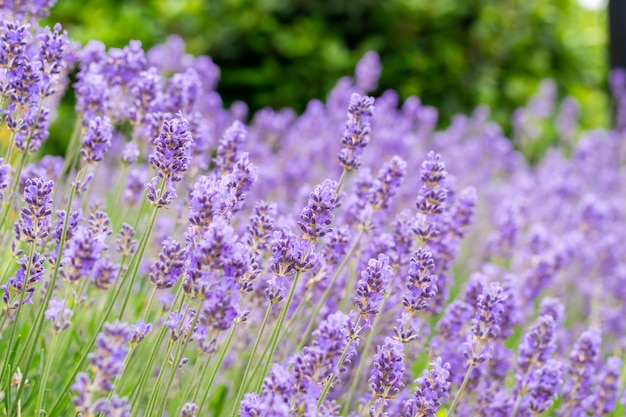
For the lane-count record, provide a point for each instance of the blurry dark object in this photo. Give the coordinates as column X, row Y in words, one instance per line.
column 453, row 54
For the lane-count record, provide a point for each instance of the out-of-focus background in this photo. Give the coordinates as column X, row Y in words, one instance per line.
column 453, row 54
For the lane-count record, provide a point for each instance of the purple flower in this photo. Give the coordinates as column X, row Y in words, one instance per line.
column 59, row 313
column 431, row 391
column 104, row 273
column 537, row 345
column 123, row 65
column 172, row 149
column 291, row 253
column 135, row 185
column 321, row 360
column 220, row 307
column 126, row 245
column 210, row 197
column 23, row 281
column 229, row 147
column 164, row 273
column 146, row 92
column 82, row 253
column 432, row 196
column 367, row 71
column 139, row 331
column 183, row 90
column 130, row 153
column 240, row 180
column 372, row 286
column 106, row 364
column 604, row 397
column 180, row 323
column 13, row 43
column 34, row 221
column 261, row 225
column 543, row 386
column 582, row 369
column 171, row 158
column 356, row 135
column 387, row 372
column 52, row 56
column 275, row 397
column 317, row 216
column 5, row 177
column 422, row 285
column 387, row 182
column 96, row 140
column 189, row 410
column 490, row 306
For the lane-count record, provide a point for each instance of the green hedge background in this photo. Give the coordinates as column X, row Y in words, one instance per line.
column 453, row 54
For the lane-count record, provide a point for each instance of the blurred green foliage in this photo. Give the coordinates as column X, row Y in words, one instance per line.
column 453, row 54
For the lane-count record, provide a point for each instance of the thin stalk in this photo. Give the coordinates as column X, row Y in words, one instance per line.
column 459, row 393
column 41, row 396
column 31, row 253
column 152, row 402
column 138, row 256
column 177, row 358
column 205, row 370
column 117, row 200
column 150, row 301
column 518, row 401
column 329, row 289
column 148, row 366
column 250, row 359
column 7, row 157
column 48, row 361
column 220, row 360
column 188, row 387
column 278, row 329
column 329, row 383
column 34, row 335
column 368, row 344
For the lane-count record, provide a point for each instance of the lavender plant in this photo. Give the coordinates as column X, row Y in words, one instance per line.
column 351, row 260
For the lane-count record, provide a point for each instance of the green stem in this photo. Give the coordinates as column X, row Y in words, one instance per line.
column 152, row 402
column 150, row 301
column 134, row 266
column 518, row 401
column 31, row 253
column 148, row 366
column 366, row 348
column 7, row 157
column 329, row 289
column 183, row 342
column 217, row 366
column 203, row 375
column 244, row 379
column 41, row 396
column 459, row 393
column 277, row 329
column 188, row 387
column 329, row 383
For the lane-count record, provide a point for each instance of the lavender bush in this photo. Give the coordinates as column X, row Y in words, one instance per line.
column 348, row 261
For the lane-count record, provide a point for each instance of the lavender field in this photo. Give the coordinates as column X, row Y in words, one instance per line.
column 352, row 260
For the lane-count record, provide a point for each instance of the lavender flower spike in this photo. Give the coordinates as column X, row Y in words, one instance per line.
column 34, row 221
column 97, row 139
column 431, row 391
column 172, row 153
column 386, row 379
column 171, row 158
column 356, row 134
column 317, row 216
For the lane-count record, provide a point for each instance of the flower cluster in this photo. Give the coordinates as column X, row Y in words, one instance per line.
column 279, row 283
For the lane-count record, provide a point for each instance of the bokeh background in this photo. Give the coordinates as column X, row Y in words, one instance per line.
column 453, row 54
